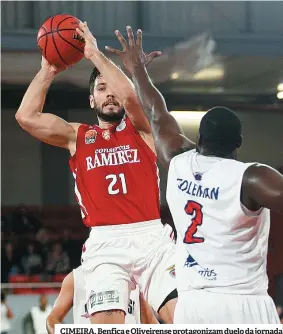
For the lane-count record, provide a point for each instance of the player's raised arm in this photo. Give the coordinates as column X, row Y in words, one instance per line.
column 62, row 305
column 168, row 136
column 117, row 81
column 264, row 186
column 46, row 127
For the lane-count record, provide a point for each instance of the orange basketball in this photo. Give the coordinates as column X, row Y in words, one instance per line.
column 59, row 42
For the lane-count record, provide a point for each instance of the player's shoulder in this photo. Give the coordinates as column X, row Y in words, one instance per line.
column 75, row 125
column 257, row 167
column 235, row 164
column 80, row 127
column 126, row 123
column 83, row 130
column 181, row 156
column 232, row 167
column 255, row 171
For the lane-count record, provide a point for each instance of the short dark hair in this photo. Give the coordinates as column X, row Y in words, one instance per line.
column 220, row 131
column 94, row 74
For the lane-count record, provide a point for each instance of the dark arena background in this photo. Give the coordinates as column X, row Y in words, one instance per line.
column 214, row 53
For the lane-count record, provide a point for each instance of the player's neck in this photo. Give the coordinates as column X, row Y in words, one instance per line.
column 204, row 151
column 105, row 124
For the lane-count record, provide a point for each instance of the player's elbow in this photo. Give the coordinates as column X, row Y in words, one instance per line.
column 21, row 118
column 24, row 121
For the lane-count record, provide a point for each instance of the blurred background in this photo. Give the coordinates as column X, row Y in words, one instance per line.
column 214, row 53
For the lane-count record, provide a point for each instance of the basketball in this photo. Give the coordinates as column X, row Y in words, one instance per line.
column 59, row 42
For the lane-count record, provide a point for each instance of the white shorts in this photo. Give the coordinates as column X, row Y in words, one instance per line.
column 117, row 258
column 202, row 307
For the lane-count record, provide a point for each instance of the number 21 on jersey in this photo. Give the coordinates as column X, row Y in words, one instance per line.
column 193, row 209
column 117, row 184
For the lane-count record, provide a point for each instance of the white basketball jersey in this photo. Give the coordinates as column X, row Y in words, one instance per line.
column 80, row 314
column 221, row 246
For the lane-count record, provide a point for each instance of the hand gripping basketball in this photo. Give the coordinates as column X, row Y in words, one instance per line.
column 90, row 40
column 132, row 54
column 50, row 69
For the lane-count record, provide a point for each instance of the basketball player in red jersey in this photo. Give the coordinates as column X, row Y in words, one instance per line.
column 116, row 185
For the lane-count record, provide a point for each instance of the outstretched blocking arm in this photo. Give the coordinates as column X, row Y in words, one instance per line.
column 168, row 136
column 46, row 127
column 264, row 186
column 62, row 305
column 117, row 81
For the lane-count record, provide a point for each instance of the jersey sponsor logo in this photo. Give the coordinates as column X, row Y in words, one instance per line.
column 171, row 270
column 131, row 309
column 105, row 297
column 106, row 134
column 121, row 126
column 90, row 136
column 115, row 156
column 190, row 262
column 206, row 273
column 197, row 190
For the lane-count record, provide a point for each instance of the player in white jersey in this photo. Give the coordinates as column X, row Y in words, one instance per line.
column 220, row 209
column 73, row 295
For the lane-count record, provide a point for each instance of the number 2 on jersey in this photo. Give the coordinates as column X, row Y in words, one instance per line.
column 112, row 184
column 193, row 209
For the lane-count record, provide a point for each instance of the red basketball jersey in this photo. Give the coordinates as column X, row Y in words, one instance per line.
column 116, row 175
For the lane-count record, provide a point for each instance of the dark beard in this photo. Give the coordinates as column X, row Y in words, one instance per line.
column 111, row 118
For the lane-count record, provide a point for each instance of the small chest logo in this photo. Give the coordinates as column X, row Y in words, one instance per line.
column 106, row 134
column 198, row 176
column 90, row 136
